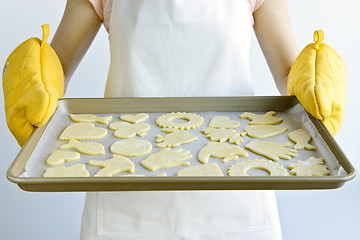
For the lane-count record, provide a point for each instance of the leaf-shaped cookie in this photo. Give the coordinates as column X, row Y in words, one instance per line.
column 166, row 158
column 265, row 119
column 220, row 150
column 271, row 150
column 134, row 118
column 92, row 148
column 210, row 169
column 174, row 138
column 309, row 167
column 128, row 130
column 302, row 139
column 82, row 131
column 89, row 118
column 264, row 131
column 222, row 135
column 223, row 122
column 113, row 166
column 58, row 157
column 77, row 170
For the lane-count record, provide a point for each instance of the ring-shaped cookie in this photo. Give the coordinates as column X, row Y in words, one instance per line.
column 273, row 168
column 193, row 120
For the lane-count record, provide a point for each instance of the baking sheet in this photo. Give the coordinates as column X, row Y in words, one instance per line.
column 288, row 108
column 293, row 118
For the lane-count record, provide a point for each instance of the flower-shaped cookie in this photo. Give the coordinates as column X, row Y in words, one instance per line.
column 309, row 167
column 128, row 130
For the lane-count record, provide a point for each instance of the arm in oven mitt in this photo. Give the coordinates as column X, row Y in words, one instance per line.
column 318, row 80
column 33, row 81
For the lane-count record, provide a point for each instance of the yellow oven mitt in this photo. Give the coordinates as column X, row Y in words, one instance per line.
column 33, row 81
column 318, row 80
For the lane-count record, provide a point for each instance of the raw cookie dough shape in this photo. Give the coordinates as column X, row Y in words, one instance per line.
column 167, row 158
column 112, row 166
column 58, row 157
column 210, row 169
column 89, row 118
column 302, row 139
column 175, row 138
column 91, row 148
column 131, row 147
column 309, row 167
column 222, row 135
column 134, row 118
column 223, row 122
column 264, row 131
column 271, row 150
column 128, row 130
column 82, row 131
column 266, row 119
column 193, row 120
column 220, row 150
column 77, row 170
column 240, row 168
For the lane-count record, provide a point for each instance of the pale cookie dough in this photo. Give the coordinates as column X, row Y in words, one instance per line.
column 128, row 130
column 112, row 166
column 77, row 170
column 240, row 169
column 302, row 139
column 58, row 157
column 264, row 131
column 220, row 150
column 88, row 118
column 131, row 147
column 193, row 120
column 134, row 118
column 310, row 167
column 167, row 158
column 223, row 122
column 174, row 138
column 271, row 150
column 266, row 119
column 210, row 169
column 222, row 135
column 82, row 131
column 91, row 148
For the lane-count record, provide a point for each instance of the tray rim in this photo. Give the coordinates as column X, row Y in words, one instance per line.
column 80, row 184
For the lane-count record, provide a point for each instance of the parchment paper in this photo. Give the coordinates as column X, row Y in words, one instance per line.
column 294, row 119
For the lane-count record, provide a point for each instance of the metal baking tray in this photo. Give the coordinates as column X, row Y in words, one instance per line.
column 44, row 140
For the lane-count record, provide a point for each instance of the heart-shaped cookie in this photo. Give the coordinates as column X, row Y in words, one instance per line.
column 134, row 118
column 82, row 131
column 223, row 122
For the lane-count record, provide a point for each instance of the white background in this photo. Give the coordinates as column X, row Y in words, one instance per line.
column 314, row 214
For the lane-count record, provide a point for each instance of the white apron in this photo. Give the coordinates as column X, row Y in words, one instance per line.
column 180, row 48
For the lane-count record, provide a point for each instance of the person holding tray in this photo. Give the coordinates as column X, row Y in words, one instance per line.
column 179, row 48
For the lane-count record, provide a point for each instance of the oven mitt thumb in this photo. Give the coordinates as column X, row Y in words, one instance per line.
column 33, row 81
column 318, row 80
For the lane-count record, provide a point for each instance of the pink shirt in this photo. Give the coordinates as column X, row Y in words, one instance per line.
column 103, row 9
